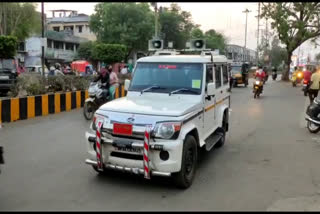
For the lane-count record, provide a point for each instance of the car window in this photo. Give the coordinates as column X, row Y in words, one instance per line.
column 225, row 74
column 209, row 75
column 218, row 75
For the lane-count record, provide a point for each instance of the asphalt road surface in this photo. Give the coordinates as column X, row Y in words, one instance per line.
column 269, row 162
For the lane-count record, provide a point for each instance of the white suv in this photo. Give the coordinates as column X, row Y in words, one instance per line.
column 185, row 102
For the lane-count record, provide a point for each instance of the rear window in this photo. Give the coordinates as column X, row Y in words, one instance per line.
column 7, row 64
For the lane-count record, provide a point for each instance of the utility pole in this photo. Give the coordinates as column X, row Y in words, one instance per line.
column 245, row 41
column 257, row 54
column 155, row 19
column 42, row 43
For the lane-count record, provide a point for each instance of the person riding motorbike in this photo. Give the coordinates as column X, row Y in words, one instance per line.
column 274, row 72
column 260, row 75
column 104, row 78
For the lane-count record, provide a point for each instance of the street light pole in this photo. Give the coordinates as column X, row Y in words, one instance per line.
column 42, row 43
column 245, row 42
column 257, row 54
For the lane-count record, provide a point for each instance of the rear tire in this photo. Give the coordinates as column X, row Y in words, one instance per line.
column 184, row 178
column 313, row 128
column 88, row 115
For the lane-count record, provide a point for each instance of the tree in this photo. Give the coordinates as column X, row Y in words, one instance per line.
column 277, row 53
column 196, row 33
column 176, row 25
column 85, row 50
column 108, row 53
column 215, row 40
column 19, row 19
column 8, row 46
column 130, row 24
column 295, row 23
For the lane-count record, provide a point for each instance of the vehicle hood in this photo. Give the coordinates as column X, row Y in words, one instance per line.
column 151, row 104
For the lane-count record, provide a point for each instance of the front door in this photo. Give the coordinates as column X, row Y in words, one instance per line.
column 209, row 113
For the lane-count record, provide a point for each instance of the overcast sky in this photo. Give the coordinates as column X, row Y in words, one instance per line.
column 226, row 18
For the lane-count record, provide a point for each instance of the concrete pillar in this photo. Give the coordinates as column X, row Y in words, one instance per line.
column 74, row 48
column 64, row 46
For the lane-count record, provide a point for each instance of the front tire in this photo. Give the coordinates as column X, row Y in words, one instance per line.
column 184, row 178
column 313, row 128
column 86, row 110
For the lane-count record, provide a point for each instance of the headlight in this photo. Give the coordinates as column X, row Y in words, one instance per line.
column 299, row 74
column 257, row 82
column 167, row 130
column 96, row 118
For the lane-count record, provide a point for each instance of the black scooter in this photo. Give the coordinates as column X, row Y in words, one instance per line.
column 313, row 116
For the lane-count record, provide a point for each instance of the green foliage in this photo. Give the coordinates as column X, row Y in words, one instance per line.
column 19, row 19
column 130, row 24
column 8, row 45
column 215, row 40
column 196, row 33
column 109, row 53
column 176, row 25
column 277, row 53
column 85, row 50
column 30, row 84
column 295, row 23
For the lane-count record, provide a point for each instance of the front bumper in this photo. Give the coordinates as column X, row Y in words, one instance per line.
column 125, row 162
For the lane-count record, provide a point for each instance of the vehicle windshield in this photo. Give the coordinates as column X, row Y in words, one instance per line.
column 235, row 69
column 168, row 77
column 7, row 64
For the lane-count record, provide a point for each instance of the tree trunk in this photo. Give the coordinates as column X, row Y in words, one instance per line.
column 285, row 74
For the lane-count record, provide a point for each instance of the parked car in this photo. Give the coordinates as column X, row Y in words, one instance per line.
column 8, row 74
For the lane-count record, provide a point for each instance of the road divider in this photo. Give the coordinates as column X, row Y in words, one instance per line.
column 22, row 108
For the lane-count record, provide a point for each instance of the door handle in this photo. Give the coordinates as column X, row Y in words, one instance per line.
column 208, row 97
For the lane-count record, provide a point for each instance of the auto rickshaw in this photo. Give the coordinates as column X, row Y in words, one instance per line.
column 236, row 75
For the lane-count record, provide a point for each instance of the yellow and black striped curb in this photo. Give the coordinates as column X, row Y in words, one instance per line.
column 22, row 108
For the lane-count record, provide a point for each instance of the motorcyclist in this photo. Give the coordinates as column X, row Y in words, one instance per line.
column 103, row 76
column 260, row 75
column 244, row 72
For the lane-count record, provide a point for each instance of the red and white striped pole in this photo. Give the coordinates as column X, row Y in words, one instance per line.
column 98, row 145
column 146, row 153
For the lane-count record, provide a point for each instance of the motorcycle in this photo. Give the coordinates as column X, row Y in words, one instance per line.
column 296, row 78
column 95, row 100
column 274, row 75
column 313, row 116
column 305, row 87
column 257, row 88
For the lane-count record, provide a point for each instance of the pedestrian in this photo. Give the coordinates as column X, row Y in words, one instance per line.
column 314, row 85
column 114, row 81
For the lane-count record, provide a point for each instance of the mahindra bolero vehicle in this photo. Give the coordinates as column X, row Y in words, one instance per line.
column 175, row 106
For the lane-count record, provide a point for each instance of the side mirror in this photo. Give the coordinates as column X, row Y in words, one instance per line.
column 211, row 87
column 126, row 84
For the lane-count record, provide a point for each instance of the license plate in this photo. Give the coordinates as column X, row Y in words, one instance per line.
column 4, row 77
column 122, row 129
column 134, row 150
column 304, row 85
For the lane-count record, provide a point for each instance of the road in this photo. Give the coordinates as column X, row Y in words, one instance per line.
column 269, row 162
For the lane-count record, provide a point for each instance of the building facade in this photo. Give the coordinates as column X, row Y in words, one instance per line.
column 70, row 20
column 59, row 47
column 240, row 54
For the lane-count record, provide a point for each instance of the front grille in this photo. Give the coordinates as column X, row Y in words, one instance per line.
column 126, row 156
column 135, row 135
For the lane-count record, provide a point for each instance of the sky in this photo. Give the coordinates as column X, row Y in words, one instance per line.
column 226, row 18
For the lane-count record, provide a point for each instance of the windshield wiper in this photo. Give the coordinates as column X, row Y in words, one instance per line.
column 183, row 89
column 152, row 87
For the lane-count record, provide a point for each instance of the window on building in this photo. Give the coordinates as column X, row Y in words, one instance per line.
column 77, row 46
column 225, row 74
column 21, row 46
column 58, row 45
column 217, row 69
column 49, row 43
column 69, row 46
column 80, row 28
column 56, row 29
